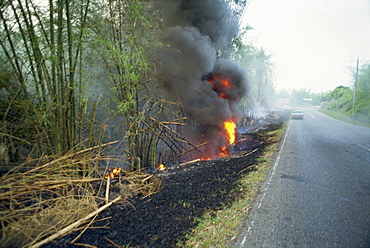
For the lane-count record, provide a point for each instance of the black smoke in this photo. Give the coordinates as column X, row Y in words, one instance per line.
column 198, row 33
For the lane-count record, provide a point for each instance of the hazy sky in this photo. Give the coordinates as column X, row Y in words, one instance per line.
column 312, row 42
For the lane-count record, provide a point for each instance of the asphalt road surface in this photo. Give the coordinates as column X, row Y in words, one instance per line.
column 318, row 191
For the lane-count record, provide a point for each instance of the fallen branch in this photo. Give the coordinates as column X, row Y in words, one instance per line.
column 86, row 245
column 189, row 162
column 249, row 167
column 205, row 143
column 51, row 163
column 113, row 244
column 72, row 154
column 73, row 225
column 147, row 178
column 107, row 190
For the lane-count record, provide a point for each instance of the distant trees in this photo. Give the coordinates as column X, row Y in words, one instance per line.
column 260, row 71
column 362, row 107
column 341, row 98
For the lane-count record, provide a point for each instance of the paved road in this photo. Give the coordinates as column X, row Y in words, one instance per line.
column 318, row 191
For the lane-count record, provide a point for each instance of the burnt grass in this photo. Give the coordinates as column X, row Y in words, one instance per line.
column 164, row 218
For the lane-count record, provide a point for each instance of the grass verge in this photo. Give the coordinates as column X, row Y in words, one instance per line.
column 343, row 117
column 219, row 228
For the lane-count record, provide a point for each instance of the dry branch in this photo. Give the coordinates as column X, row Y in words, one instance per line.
column 72, row 154
column 249, row 167
column 183, row 139
column 85, row 245
column 107, row 190
column 73, row 225
column 13, row 137
column 113, row 244
column 147, row 178
column 190, row 162
column 205, row 143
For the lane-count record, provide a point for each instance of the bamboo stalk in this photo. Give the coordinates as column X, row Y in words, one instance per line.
column 92, row 123
column 73, row 225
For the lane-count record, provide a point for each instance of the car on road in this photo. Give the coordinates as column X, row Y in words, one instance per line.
column 297, row 114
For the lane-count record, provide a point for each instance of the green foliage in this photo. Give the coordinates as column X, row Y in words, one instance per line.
column 363, row 89
column 124, row 38
column 59, row 58
column 341, row 98
column 362, row 108
column 259, row 68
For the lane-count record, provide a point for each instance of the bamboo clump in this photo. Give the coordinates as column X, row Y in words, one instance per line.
column 53, row 199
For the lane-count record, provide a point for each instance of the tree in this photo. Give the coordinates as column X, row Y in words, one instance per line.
column 342, row 98
column 43, row 47
column 259, row 69
column 362, row 109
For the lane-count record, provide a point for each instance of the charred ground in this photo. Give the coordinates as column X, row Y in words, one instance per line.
column 187, row 193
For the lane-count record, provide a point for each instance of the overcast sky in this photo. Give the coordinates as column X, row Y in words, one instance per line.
column 312, row 42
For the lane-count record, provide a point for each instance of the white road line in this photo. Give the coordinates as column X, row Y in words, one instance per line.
column 273, row 169
column 364, row 147
column 310, row 115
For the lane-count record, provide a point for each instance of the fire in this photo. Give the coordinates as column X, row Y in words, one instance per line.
column 220, row 84
column 229, row 130
column 224, row 88
column 161, row 167
column 115, row 172
column 205, row 158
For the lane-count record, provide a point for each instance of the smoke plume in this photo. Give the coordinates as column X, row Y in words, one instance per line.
column 199, row 32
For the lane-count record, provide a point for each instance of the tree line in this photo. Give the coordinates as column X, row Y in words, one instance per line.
column 339, row 99
column 76, row 74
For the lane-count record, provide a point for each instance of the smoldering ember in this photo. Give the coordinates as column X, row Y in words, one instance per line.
column 99, row 150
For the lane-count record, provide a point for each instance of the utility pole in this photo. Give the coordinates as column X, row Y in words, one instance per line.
column 355, row 89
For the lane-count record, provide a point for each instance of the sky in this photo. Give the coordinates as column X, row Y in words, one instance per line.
column 313, row 43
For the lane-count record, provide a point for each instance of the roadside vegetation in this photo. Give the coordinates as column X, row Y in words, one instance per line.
column 340, row 115
column 350, row 104
column 78, row 94
column 220, row 228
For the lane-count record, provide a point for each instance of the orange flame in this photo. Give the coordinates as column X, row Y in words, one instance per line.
column 161, row 167
column 115, row 172
column 205, row 158
column 229, row 129
column 220, row 86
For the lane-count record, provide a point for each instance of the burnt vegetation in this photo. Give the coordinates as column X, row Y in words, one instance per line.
column 187, row 192
column 90, row 85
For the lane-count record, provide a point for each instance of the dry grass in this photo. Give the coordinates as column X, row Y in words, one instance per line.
column 220, row 228
column 45, row 199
